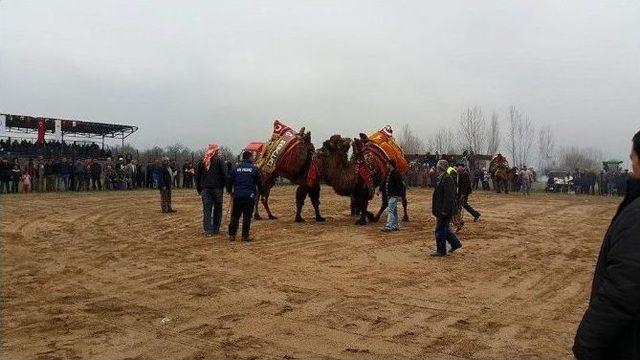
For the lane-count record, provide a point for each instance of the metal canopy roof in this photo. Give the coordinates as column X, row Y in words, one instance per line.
column 69, row 128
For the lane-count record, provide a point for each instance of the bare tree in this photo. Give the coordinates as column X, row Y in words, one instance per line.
column 493, row 135
column 178, row 152
column 442, row 142
column 574, row 157
column 473, row 129
column 521, row 134
column 226, row 154
column 410, row 142
column 546, row 147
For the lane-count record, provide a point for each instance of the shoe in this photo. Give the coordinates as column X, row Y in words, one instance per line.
column 454, row 249
column 437, row 254
column 232, row 238
column 476, row 218
column 395, row 229
column 247, row 240
column 386, row 230
column 172, row 211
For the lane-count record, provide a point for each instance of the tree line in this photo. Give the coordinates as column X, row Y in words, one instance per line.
column 522, row 143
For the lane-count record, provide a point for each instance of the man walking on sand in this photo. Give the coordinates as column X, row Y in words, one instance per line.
column 444, row 207
column 464, row 190
column 395, row 189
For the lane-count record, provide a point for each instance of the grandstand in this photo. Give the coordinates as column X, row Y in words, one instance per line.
column 22, row 135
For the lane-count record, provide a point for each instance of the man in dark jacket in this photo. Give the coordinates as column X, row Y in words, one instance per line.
column 394, row 187
column 444, row 207
column 464, row 190
column 244, row 182
column 610, row 328
column 96, row 173
column 211, row 179
column 164, row 184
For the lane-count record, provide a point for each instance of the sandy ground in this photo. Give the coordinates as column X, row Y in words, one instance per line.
column 107, row 276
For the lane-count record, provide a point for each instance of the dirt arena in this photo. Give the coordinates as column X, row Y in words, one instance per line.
column 107, row 276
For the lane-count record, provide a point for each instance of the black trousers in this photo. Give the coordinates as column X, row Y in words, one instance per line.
column 464, row 202
column 241, row 207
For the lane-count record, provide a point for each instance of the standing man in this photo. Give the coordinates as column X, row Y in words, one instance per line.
column 51, row 175
column 610, row 328
column 40, row 174
column 211, row 178
column 395, row 190
column 64, row 169
column 244, row 182
column 96, row 172
column 464, row 190
column 444, row 208
column 525, row 181
column 164, row 184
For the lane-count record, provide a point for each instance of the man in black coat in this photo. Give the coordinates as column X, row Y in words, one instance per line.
column 610, row 328
column 444, row 207
column 211, row 179
column 464, row 190
column 164, row 184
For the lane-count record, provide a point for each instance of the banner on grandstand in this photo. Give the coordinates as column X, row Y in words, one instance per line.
column 3, row 122
column 42, row 128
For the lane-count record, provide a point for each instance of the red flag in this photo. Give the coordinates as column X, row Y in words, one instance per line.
column 41, row 131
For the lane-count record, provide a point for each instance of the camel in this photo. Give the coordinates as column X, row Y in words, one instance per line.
column 353, row 177
column 292, row 163
column 501, row 174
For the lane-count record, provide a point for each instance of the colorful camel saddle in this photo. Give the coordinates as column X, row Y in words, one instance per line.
column 382, row 147
column 276, row 152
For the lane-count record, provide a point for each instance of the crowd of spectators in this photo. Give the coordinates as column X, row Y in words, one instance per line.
column 54, row 148
column 87, row 174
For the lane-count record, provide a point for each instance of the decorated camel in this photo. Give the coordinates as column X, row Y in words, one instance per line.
column 501, row 174
column 288, row 154
column 359, row 175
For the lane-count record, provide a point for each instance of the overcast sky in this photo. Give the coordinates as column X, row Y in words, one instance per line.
column 203, row 71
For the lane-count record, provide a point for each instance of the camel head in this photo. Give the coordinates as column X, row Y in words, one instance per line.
column 335, row 148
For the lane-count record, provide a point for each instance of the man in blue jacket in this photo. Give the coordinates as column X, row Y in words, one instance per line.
column 245, row 178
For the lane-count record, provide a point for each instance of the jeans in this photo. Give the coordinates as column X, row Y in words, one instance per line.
column 244, row 207
column 64, row 182
column 211, row 200
column 5, row 186
column 444, row 235
column 392, row 213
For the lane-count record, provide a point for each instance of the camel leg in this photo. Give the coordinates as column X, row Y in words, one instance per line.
column 383, row 207
column 361, row 204
column 301, row 196
column 265, row 203
column 314, row 194
column 256, row 213
column 405, row 204
column 354, row 206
